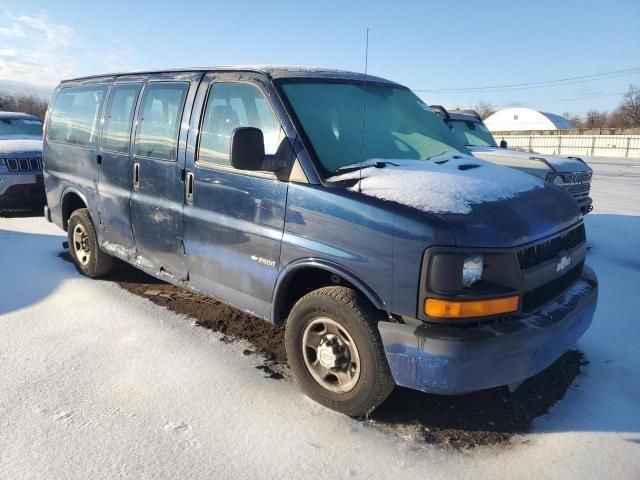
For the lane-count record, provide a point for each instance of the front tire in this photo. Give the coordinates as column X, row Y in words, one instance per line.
column 335, row 351
column 83, row 246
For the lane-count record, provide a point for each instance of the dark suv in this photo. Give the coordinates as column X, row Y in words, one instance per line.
column 335, row 204
column 20, row 159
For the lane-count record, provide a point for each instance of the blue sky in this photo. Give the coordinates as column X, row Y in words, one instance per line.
column 424, row 45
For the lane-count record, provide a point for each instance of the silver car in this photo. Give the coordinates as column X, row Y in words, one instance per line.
column 570, row 173
column 20, row 159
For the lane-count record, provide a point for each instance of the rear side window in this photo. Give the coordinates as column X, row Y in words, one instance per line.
column 116, row 132
column 229, row 106
column 159, row 120
column 75, row 115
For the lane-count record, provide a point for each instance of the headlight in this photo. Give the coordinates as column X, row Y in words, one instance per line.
column 472, row 270
column 555, row 179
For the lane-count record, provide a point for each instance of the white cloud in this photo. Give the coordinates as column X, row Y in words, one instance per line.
column 36, row 50
column 12, row 31
column 55, row 34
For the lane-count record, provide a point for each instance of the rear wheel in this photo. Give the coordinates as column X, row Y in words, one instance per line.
column 335, row 351
column 83, row 245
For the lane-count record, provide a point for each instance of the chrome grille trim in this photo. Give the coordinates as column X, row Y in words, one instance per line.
column 577, row 183
column 534, row 255
column 23, row 164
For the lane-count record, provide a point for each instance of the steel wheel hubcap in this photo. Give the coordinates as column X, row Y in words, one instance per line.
column 331, row 355
column 81, row 244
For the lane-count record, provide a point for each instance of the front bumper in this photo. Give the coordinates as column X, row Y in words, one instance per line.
column 454, row 360
column 585, row 204
column 16, row 188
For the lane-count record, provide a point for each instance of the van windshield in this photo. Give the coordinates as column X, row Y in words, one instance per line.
column 20, row 128
column 397, row 124
column 472, row 133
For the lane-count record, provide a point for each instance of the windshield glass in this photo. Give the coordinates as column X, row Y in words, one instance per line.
column 472, row 133
column 397, row 124
column 20, row 127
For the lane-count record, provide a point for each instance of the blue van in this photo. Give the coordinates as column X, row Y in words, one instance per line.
column 334, row 204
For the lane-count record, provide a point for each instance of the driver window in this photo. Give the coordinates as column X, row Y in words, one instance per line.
column 229, row 106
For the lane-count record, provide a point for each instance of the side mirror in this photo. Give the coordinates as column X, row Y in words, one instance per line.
column 503, row 144
column 247, row 148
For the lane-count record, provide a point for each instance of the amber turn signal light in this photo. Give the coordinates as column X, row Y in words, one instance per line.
column 435, row 307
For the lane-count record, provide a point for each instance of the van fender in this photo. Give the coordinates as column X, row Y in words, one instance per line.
column 69, row 190
column 287, row 273
column 72, row 190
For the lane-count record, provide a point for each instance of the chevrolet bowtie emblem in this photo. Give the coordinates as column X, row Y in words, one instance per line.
column 563, row 263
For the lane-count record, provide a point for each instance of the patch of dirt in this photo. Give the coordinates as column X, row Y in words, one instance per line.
column 267, row 340
column 486, row 418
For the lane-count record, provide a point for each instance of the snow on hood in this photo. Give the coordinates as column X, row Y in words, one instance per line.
column 452, row 186
column 558, row 163
column 20, row 145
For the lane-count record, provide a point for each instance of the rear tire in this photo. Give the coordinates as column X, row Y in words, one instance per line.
column 83, row 246
column 335, row 351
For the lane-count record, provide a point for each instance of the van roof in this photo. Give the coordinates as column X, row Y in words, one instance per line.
column 273, row 71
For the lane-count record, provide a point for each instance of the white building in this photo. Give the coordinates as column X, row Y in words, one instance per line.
column 518, row 119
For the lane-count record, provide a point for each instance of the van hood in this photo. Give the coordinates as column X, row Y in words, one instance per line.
column 485, row 205
column 555, row 163
column 20, row 145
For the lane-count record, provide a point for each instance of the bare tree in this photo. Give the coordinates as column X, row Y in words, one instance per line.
column 617, row 119
column 575, row 120
column 630, row 106
column 23, row 103
column 484, row 109
column 596, row 119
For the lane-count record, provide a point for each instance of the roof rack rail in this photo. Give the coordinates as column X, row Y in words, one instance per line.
column 440, row 110
column 472, row 112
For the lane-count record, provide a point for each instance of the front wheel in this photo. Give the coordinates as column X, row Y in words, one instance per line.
column 335, row 351
column 83, row 245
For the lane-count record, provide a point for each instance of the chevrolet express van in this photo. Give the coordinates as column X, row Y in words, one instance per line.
column 334, row 204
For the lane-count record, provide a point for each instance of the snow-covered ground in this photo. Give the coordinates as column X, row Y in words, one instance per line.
column 98, row 383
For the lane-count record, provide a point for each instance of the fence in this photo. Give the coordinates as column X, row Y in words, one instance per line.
column 627, row 146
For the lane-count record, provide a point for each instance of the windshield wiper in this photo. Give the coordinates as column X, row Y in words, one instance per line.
column 356, row 167
column 436, row 155
column 440, row 162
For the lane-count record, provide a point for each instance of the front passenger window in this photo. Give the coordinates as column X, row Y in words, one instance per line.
column 229, row 106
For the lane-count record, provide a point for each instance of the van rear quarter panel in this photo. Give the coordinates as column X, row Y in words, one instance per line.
column 70, row 168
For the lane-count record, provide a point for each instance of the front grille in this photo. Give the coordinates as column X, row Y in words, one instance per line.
column 27, row 164
column 578, row 184
column 541, row 252
column 539, row 296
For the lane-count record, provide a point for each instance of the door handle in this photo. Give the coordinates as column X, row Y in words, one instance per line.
column 189, row 187
column 136, row 176
column 99, row 159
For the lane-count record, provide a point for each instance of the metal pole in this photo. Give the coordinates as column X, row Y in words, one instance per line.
column 626, row 153
column 593, row 145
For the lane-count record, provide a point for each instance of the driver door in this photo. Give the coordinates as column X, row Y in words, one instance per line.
column 233, row 219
